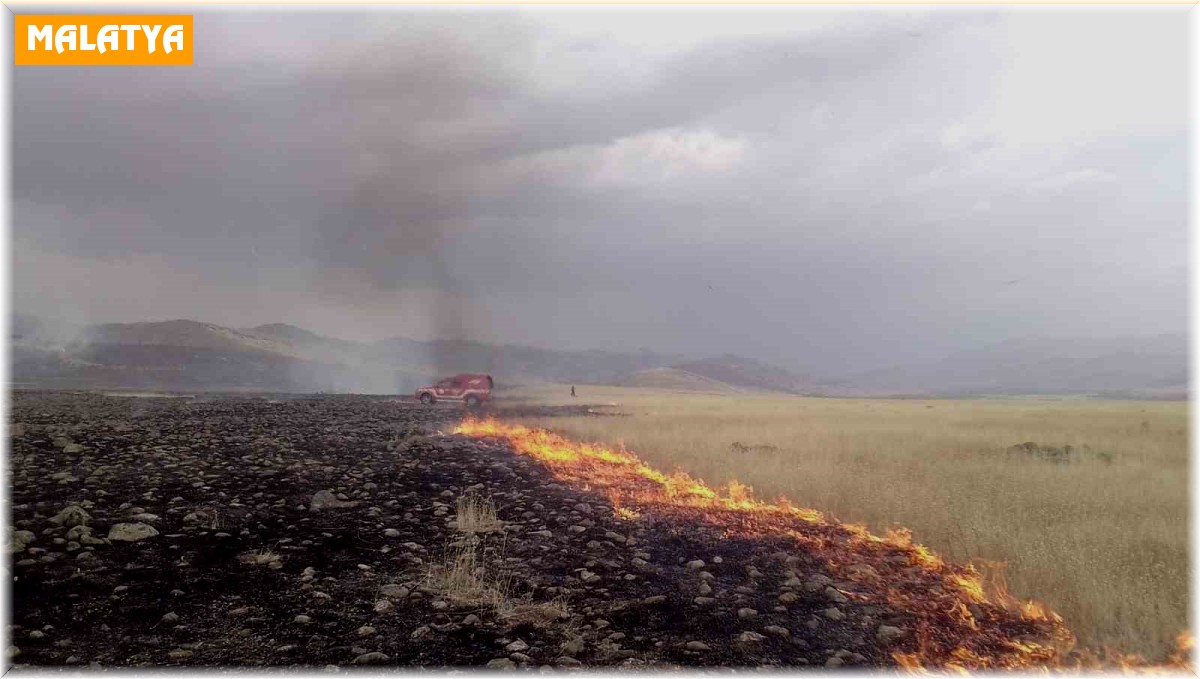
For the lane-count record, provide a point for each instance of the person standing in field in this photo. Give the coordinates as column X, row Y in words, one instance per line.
column 572, row 391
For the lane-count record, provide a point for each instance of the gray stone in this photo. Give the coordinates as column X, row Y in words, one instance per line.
column 131, row 532
column 324, row 499
column 749, row 637
column 371, row 658
column 19, row 540
column 394, row 591
column 73, row 515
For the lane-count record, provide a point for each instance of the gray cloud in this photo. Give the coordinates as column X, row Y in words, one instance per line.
column 830, row 190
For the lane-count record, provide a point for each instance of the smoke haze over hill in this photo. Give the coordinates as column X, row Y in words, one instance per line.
column 833, row 192
column 191, row 355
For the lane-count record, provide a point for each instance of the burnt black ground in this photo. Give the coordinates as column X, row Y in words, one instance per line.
column 254, row 464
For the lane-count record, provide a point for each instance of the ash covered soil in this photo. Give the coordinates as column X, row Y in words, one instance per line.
column 315, row 531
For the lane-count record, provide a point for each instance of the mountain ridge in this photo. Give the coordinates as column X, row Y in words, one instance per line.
column 190, row 354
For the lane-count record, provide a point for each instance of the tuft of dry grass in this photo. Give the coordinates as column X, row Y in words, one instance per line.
column 542, row 614
column 1100, row 535
column 464, row 579
column 476, row 514
column 262, row 557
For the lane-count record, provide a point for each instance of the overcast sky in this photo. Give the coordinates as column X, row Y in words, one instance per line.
column 830, row 189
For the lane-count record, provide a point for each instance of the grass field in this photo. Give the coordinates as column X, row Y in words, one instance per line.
column 1102, row 539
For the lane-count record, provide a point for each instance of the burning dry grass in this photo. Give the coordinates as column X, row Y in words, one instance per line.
column 1101, row 539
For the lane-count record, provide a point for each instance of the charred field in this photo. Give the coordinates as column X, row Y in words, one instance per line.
column 317, row 531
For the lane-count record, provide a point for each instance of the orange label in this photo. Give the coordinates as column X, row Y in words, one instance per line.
column 103, row 39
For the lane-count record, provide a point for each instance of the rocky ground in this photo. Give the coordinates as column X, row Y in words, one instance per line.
column 324, row 531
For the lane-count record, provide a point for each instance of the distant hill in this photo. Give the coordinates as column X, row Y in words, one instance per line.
column 182, row 334
column 739, row 371
column 192, row 355
column 675, row 379
column 1150, row 367
column 515, row 362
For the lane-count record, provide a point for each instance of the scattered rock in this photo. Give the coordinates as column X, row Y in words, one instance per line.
column 749, row 637
column 835, row 596
column 372, row 658
column 131, row 532
column 72, row 515
column 394, row 591
column 18, row 540
column 324, row 499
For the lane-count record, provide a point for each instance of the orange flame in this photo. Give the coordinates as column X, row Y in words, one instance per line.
column 960, row 622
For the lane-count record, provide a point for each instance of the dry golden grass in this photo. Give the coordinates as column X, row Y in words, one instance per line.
column 476, row 514
column 464, row 579
column 1102, row 539
column 263, row 557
